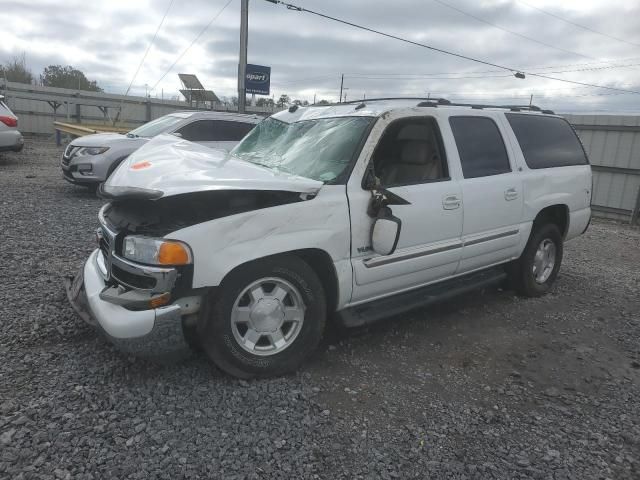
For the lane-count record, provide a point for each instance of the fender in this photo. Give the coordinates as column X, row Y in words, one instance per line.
column 222, row 244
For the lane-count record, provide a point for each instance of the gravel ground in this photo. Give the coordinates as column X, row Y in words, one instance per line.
column 487, row 386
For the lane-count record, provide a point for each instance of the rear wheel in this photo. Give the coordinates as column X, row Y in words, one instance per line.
column 534, row 272
column 265, row 319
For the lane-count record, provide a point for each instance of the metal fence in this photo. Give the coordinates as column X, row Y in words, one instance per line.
column 613, row 145
column 38, row 107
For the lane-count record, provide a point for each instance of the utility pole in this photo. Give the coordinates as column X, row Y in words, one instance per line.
column 341, row 84
column 531, row 100
column 242, row 66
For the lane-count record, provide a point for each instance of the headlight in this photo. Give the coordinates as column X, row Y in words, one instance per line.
column 91, row 150
column 155, row 251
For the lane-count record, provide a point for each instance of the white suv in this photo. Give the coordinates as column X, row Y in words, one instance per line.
column 350, row 211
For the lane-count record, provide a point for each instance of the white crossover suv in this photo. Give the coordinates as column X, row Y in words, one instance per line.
column 89, row 160
column 352, row 211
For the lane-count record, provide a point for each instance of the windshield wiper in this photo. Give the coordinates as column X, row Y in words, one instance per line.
column 132, row 135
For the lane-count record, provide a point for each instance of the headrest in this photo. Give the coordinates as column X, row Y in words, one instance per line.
column 415, row 153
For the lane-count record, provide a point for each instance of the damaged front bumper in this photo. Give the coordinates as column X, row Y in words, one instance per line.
column 155, row 332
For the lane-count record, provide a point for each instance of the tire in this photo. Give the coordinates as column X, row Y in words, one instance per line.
column 522, row 276
column 239, row 331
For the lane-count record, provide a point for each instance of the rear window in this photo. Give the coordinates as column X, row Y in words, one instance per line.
column 480, row 146
column 547, row 141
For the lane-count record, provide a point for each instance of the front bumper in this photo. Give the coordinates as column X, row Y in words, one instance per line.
column 71, row 174
column 152, row 333
column 11, row 140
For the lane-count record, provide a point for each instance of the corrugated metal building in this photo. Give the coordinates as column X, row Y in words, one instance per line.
column 613, row 145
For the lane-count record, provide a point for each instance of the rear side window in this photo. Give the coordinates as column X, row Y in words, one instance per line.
column 480, row 146
column 215, row 131
column 547, row 141
column 234, row 131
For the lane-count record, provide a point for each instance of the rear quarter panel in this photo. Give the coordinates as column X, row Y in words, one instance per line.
column 544, row 187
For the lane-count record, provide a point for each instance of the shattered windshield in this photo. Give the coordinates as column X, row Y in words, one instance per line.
column 319, row 149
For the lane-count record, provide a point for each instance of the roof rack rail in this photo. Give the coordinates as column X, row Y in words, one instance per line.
column 480, row 106
column 381, row 99
column 434, row 102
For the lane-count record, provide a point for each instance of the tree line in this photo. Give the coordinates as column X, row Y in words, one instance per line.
column 60, row 76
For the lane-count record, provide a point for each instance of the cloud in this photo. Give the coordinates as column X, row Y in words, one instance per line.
column 308, row 54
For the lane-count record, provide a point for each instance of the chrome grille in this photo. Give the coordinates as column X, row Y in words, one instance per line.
column 68, row 154
column 106, row 244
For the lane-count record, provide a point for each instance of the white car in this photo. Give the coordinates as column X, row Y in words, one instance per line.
column 89, row 160
column 354, row 211
column 10, row 138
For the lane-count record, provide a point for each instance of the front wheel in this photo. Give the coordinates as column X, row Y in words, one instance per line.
column 265, row 319
column 535, row 271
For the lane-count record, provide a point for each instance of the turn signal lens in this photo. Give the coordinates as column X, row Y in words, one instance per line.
column 160, row 300
column 173, row 254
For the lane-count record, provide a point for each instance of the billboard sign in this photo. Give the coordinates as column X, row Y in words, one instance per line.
column 257, row 79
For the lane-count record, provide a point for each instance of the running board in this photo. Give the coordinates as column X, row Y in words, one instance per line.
column 403, row 302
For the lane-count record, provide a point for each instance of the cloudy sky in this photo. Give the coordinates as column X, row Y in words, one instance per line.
column 107, row 39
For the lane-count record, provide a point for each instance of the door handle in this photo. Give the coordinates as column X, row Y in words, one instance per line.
column 451, row 202
column 510, row 194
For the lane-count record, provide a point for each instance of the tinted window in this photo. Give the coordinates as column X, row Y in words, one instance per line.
column 234, row 131
column 215, row 131
column 547, row 141
column 480, row 145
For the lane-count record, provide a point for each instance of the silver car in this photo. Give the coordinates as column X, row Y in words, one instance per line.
column 10, row 138
column 91, row 159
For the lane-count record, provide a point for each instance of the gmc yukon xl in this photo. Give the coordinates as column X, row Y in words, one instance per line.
column 353, row 211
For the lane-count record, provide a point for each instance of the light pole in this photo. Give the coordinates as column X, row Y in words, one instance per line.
column 242, row 66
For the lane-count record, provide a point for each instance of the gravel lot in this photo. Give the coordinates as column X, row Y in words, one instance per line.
column 487, row 386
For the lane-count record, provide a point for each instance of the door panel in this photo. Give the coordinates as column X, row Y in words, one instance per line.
column 406, row 153
column 491, row 192
column 429, row 246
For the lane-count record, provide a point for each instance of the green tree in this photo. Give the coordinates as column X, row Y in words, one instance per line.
column 16, row 70
column 67, row 77
column 283, row 101
column 323, row 102
column 265, row 102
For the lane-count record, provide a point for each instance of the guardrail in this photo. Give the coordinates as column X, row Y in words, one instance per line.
column 81, row 130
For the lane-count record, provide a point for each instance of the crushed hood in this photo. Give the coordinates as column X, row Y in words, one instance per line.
column 168, row 166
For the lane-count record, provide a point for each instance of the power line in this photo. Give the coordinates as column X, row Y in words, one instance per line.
column 149, row 47
column 518, row 73
column 206, row 27
column 584, row 27
column 460, row 76
column 471, row 15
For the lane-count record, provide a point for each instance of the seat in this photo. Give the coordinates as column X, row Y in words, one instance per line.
column 418, row 162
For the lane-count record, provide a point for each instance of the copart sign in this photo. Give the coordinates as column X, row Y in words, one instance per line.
column 258, row 79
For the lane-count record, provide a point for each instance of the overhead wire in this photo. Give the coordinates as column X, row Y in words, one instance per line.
column 206, row 27
column 479, row 19
column 518, row 73
column 584, row 27
column 149, row 47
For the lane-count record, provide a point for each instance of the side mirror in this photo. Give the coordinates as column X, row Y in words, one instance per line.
column 385, row 232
